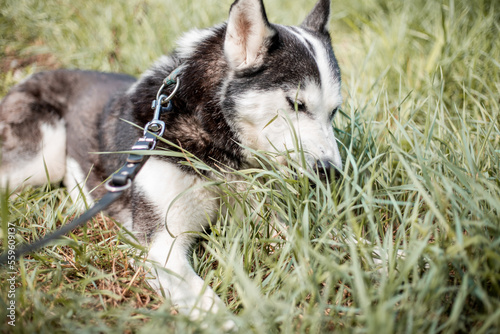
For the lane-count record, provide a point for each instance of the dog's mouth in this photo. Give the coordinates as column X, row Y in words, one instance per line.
column 325, row 169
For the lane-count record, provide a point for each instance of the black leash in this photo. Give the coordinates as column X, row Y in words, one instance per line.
column 119, row 181
column 11, row 255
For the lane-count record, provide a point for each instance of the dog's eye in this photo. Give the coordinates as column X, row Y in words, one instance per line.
column 332, row 114
column 296, row 105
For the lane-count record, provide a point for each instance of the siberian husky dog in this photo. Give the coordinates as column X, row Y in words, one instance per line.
column 234, row 79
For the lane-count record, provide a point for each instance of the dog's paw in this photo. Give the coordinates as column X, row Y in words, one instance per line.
column 197, row 308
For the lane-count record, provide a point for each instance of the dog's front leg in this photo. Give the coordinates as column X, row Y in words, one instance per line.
column 176, row 279
column 172, row 206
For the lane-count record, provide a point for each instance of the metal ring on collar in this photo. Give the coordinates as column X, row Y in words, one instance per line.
column 162, row 99
column 115, row 189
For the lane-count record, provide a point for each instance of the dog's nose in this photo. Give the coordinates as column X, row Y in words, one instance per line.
column 326, row 170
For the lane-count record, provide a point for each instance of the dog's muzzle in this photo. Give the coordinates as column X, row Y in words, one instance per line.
column 326, row 170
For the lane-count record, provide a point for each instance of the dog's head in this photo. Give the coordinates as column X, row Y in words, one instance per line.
column 283, row 84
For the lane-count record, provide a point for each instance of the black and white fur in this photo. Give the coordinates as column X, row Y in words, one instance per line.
column 236, row 77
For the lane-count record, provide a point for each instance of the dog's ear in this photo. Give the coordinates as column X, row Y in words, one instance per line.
column 248, row 34
column 318, row 18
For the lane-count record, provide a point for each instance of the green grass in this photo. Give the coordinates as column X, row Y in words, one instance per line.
column 420, row 137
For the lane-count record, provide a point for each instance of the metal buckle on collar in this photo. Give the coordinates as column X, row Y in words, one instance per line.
column 114, row 189
column 166, row 82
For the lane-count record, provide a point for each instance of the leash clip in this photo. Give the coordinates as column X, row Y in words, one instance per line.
column 156, row 126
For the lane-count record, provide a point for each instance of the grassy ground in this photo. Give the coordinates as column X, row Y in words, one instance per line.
column 420, row 136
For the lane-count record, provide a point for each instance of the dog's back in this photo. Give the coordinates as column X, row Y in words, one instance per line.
column 50, row 118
